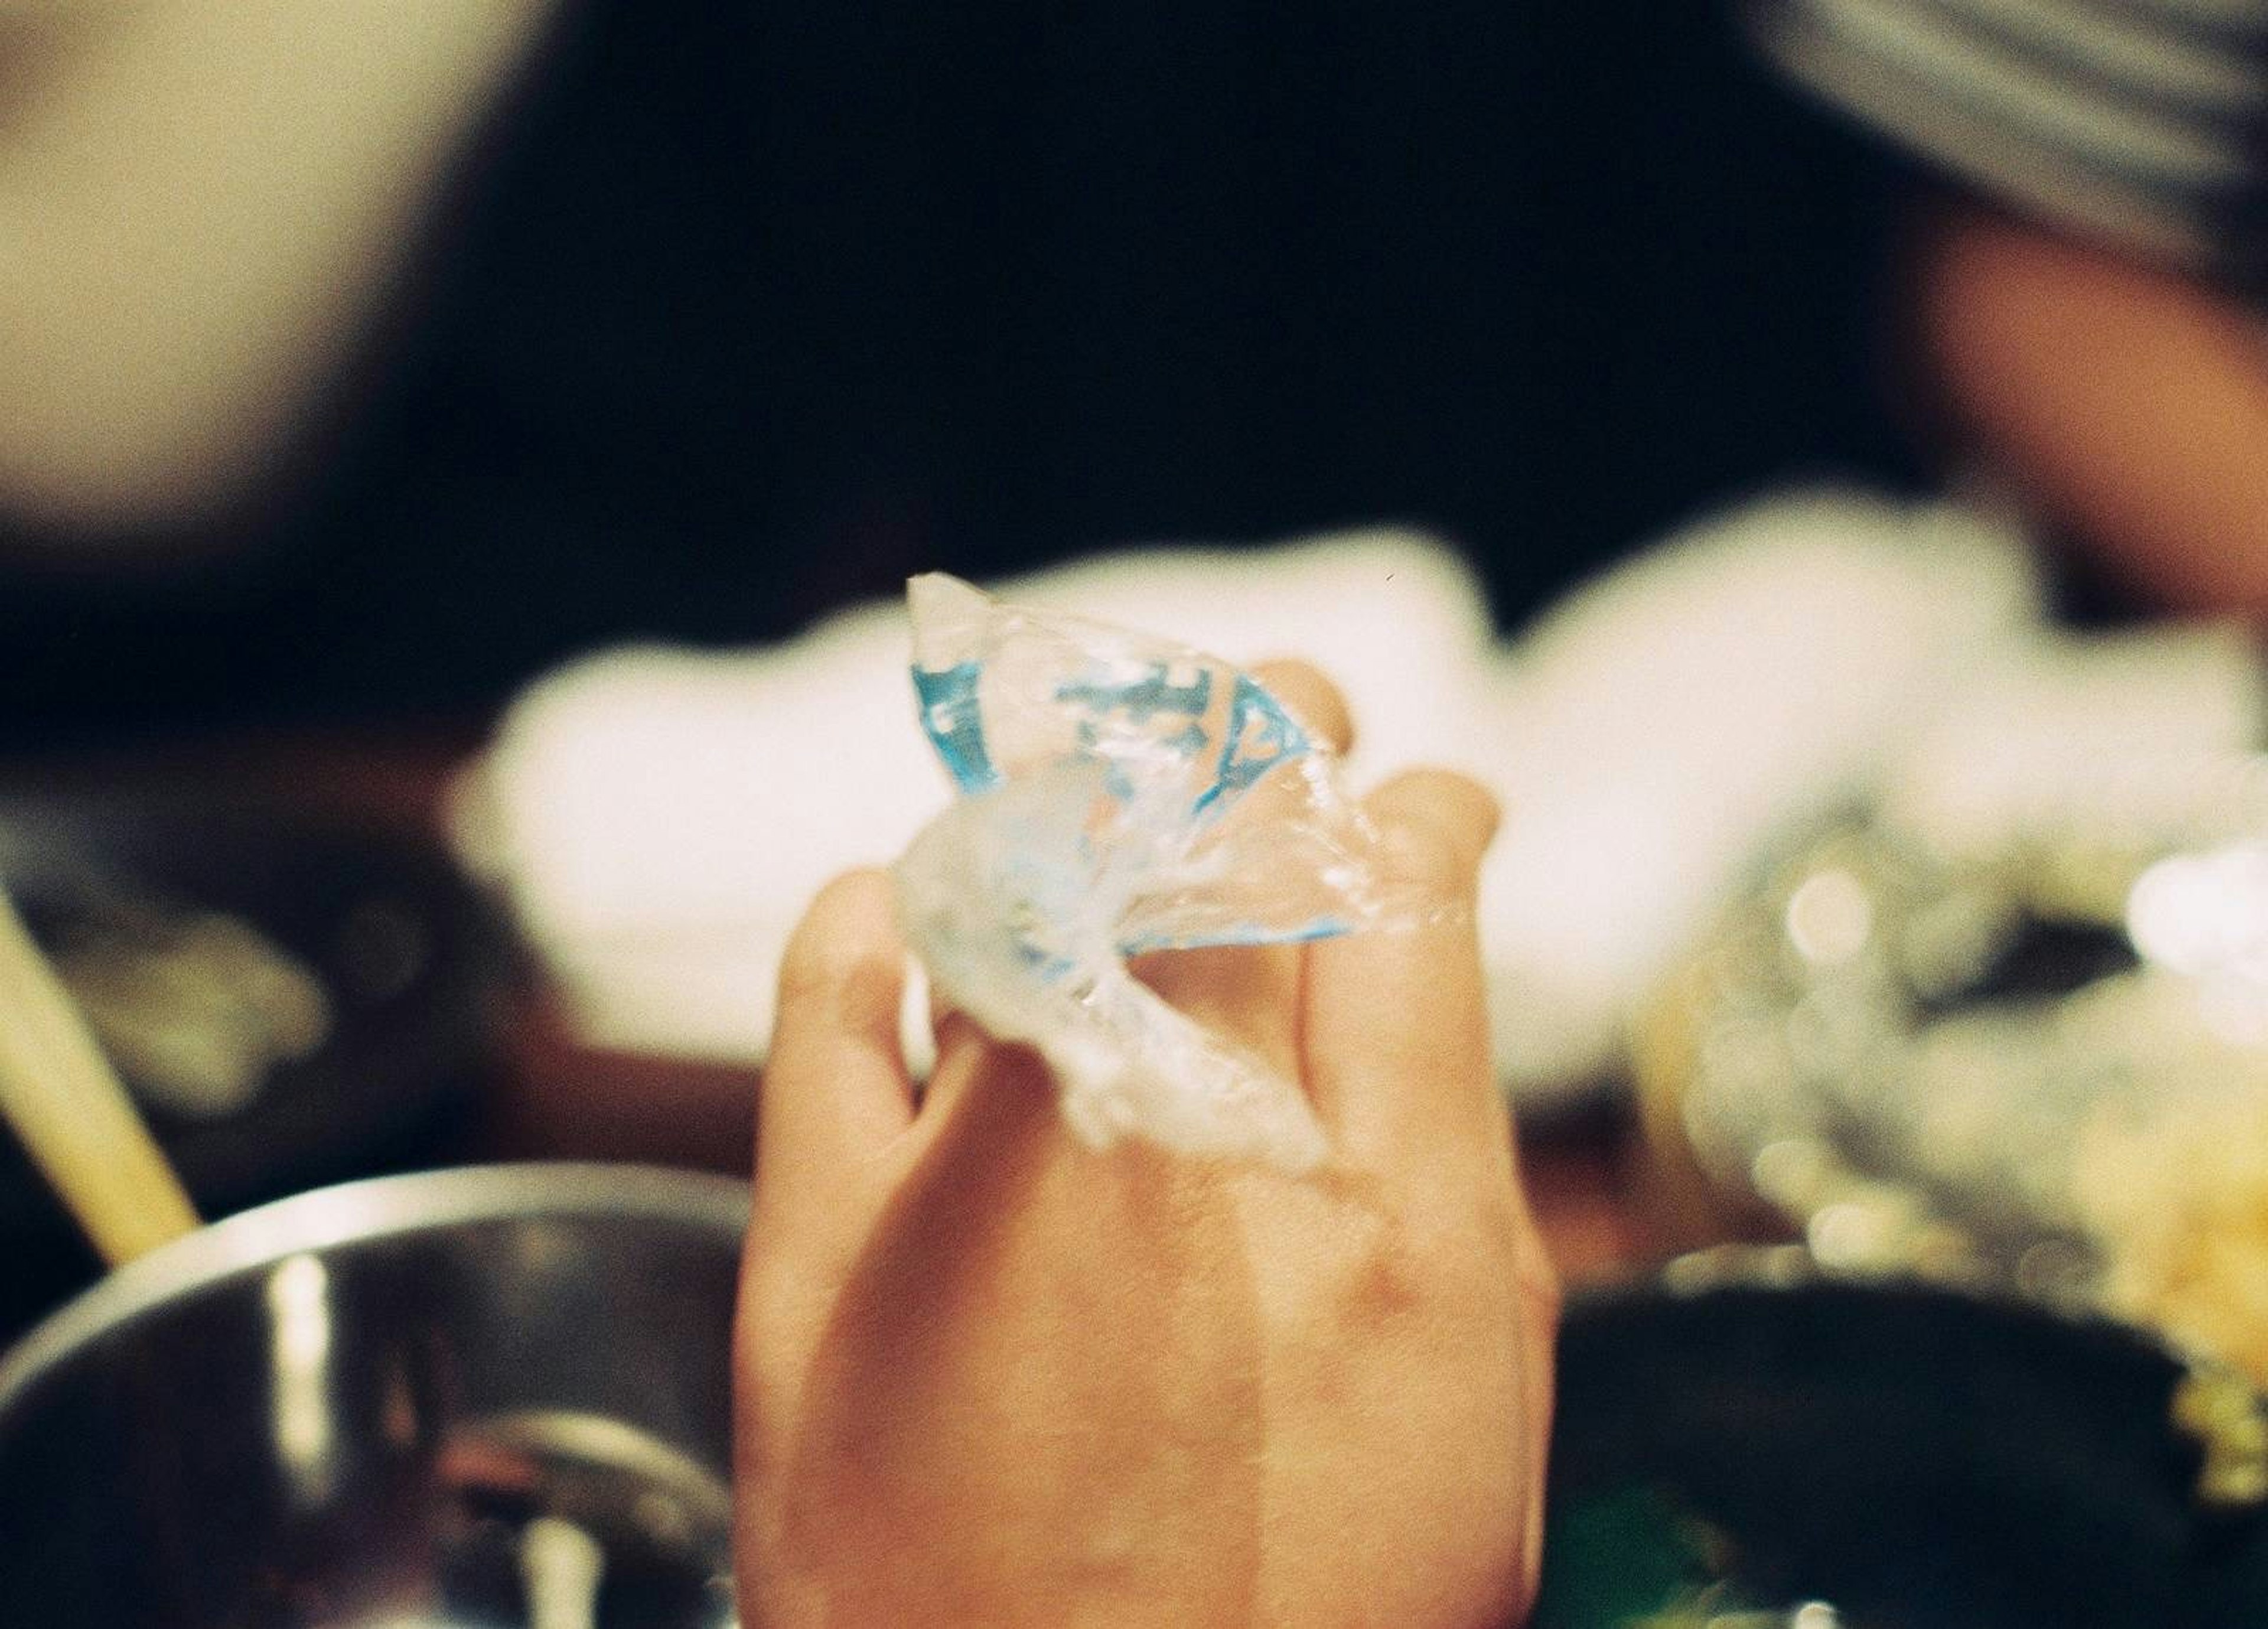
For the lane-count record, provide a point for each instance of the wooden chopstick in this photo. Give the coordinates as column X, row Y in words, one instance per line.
column 72, row 1113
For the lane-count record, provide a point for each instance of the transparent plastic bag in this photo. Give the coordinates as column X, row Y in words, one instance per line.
column 1123, row 794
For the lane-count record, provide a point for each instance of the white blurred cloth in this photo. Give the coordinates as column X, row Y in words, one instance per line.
column 660, row 819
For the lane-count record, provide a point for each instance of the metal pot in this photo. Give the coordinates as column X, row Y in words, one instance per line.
column 495, row 1396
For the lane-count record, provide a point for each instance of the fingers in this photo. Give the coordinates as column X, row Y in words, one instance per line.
column 834, row 1088
column 1396, row 1019
column 1249, row 994
column 981, row 1081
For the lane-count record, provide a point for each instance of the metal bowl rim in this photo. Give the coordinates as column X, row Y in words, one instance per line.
column 355, row 1212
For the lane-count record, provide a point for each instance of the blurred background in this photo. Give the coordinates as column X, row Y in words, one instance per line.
column 458, row 465
column 389, row 359
column 454, row 463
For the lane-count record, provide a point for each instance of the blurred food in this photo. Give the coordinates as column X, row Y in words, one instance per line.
column 2179, row 1202
column 292, row 996
column 198, row 1007
column 2218, row 1409
column 2030, row 1043
column 1635, row 1557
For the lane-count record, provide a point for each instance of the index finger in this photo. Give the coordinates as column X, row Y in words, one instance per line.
column 835, row 1089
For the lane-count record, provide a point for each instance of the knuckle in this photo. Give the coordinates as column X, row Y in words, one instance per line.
column 1394, row 1265
column 1368, row 1270
column 1383, row 1283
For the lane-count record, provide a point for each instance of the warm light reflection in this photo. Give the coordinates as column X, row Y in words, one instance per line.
column 561, row 1566
column 1846, row 1234
column 299, row 1314
column 1830, row 917
column 2203, row 914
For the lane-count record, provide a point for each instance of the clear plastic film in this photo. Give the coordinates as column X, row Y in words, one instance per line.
column 1124, row 794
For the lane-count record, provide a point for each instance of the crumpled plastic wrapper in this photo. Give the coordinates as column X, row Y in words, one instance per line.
column 1123, row 794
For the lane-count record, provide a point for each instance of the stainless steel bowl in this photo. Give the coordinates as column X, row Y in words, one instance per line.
column 488, row 1396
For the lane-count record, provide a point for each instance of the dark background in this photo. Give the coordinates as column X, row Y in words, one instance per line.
column 743, row 311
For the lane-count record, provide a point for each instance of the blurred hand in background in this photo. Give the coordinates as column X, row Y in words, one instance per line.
column 2081, row 285
column 2128, row 402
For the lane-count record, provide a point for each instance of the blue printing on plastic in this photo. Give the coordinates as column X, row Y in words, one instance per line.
column 1278, row 740
column 1248, row 933
column 955, row 723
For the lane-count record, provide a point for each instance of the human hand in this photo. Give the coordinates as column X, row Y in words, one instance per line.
column 2128, row 402
column 988, row 1376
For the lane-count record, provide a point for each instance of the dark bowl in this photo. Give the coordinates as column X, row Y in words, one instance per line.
column 1917, row 1458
